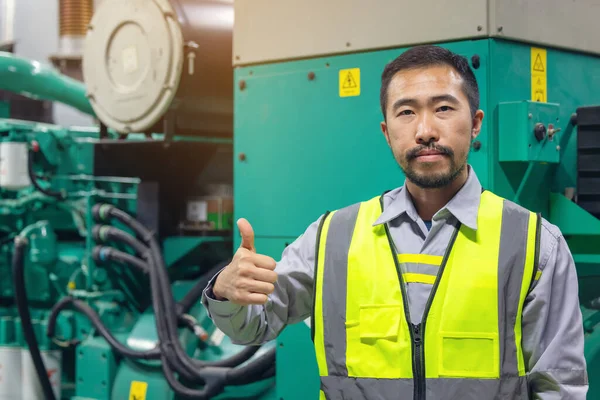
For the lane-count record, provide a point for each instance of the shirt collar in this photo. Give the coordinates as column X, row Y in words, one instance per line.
column 463, row 206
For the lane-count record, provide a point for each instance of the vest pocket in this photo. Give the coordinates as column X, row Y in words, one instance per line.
column 378, row 342
column 469, row 355
column 380, row 321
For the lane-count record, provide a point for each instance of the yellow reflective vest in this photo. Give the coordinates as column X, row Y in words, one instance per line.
column 468, row 343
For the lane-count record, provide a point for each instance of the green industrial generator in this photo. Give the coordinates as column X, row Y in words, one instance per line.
column 110, row 232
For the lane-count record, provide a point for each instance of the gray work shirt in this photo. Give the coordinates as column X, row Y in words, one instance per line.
column 552, row 324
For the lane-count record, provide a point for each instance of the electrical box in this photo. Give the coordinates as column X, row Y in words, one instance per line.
column 528, row 131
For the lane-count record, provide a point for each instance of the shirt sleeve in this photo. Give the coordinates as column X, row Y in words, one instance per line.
column 553, row 337
column 291, row 301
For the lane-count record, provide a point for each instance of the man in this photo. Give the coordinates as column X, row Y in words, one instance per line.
column 437, row 289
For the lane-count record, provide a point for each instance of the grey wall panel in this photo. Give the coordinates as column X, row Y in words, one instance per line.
column 572, row 24
column 268, row 30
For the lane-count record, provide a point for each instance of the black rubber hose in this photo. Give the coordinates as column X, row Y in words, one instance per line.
column 252, row 371
column 184, row 364
column 35, row 183
column 104, row 253
column 269, row 373
column 171, row 345
column 214, row 379
column 85, row 309
column 194, row 294
column 104, row 233
column 18, row 266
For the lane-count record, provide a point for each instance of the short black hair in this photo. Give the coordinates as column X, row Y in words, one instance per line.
column 427, row 56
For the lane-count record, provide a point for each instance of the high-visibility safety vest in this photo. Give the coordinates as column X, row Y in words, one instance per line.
column 468, row 343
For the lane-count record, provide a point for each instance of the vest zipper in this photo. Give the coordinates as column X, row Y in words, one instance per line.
column 416, row 338
column 420, row 329
column 417, row 331
column 418, row 362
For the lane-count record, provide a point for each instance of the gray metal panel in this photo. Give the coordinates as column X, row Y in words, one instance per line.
column 569, row 24
column 267, row 30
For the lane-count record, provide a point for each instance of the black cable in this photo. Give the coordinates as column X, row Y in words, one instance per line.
column 214, row 378
column 252, row 371
column 104, row 233
column 85, row 309
column 20, row 291
column 35, row 183
column 192, row 296
column 104, row 253
column 165, row 305
column 165, row 308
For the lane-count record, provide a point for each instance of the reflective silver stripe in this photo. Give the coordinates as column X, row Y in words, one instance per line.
column 509, row 388
column 339, row 387
column 425, row 269
column 511, row 264
column 335, row 275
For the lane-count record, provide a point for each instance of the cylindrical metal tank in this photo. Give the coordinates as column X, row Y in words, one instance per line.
column 162, row 65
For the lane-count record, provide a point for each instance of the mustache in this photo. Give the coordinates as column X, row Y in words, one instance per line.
column 413, row 153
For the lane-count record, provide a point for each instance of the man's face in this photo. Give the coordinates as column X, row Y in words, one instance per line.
column 429, row 125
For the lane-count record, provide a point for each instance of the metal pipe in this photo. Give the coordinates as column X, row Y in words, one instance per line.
column 34, row 80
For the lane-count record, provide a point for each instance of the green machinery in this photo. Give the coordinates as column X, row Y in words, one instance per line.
column 107, row 238
column 303, row 102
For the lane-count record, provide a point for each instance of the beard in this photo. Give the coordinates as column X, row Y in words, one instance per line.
column 430, row 179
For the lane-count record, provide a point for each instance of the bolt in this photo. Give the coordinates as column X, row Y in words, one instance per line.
column 311, row 76
column 348, row 44
column 242, row 85
column 242, row 156
column 557, row 148
column 530, row 115
column 574, row 119
column 479, row 28
column 476, row 145
column 476, row 61
column 500, row 29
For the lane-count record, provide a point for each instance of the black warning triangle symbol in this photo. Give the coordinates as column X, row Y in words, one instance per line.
column 538, row 65
column 349, row 82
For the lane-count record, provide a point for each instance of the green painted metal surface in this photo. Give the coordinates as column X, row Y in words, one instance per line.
column 4, row 109
column 516, row 121
column 308, row 150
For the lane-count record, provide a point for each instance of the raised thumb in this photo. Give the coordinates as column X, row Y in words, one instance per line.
column 247, row 234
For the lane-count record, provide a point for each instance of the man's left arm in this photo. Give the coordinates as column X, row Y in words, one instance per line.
column 552, row 324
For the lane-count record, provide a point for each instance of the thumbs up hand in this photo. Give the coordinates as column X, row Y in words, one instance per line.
column 250, row 276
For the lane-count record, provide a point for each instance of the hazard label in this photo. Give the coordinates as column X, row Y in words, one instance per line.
column 350, row 82
column 137, row 390
column 539, row 70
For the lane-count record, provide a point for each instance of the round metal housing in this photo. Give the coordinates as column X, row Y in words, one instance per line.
column 160, row 65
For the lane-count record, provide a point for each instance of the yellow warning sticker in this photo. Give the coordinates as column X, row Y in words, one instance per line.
column 350, row 82
column 137, row 390
column 539, row 71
